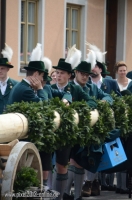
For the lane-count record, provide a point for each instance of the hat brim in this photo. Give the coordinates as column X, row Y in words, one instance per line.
column 34, row 69
column 81, row 70
column 105, row 72
column 7, row 65
column 55, row 67
column 48, row 79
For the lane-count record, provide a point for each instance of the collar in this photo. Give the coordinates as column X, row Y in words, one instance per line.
column 76, row 83
column 4, row 82
column 61, row 88
column 27, row 81
column 99, row 81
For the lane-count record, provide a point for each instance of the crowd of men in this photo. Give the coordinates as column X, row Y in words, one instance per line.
column 81, row 83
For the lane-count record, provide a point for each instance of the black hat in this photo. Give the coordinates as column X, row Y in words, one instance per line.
column 60, row 60
column 63, row 66
column 84, row 67
column 46, row 77
column 36, row 66
column 129, row 75
column 126, row 92
column 4, row 62
column 103, row 67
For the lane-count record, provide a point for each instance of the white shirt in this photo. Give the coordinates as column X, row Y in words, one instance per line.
column 76, row 83
column 123, row 87
column 99, row 83
column 3, row 86
column 26, row 81
column 61, row 89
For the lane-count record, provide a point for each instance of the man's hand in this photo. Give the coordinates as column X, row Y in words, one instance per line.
column 65, row 102
column 35, row 83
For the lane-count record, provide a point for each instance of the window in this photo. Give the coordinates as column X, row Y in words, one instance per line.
column 28, row 29
column 73, row 25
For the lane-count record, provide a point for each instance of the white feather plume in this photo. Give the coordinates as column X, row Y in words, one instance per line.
column 36, row 53
column 47, row 63
column 73, row 56
column 91, row 58
column 7, row 52
column 99, row 54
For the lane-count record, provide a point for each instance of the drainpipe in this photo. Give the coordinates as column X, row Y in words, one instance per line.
column 2, row 24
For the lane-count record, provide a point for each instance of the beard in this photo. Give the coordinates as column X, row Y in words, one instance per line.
column 94, row 75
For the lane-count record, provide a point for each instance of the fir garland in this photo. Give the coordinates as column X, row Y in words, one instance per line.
column 83, row 111
column 67, row 133
column 121, row 108
column 128, row 103
column 104, row 125
column 40, row 123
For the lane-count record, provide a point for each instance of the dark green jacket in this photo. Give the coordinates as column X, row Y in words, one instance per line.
column 23, row 92
column 4, row 98
column 108, row 86
column 52, row 93
column 78, row 94
column 94, row 91
column 130, row 87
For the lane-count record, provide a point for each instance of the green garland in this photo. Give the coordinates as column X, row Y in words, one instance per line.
column 104, row 125
column 67, row 133
column 83, row 111
column 40, row 123
column 120, row 108
column 128, row 116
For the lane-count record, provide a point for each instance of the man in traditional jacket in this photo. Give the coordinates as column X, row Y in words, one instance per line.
column 6, row 83
column 63, row 74
column 82, row 72
column 108, row 86
column 105, row 84
column 30, row 88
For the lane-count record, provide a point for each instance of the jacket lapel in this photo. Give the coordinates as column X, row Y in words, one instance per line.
column 9, row 87
column 103, row 86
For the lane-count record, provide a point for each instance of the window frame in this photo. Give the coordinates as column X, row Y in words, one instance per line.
column 69, row 29
column 27, row 24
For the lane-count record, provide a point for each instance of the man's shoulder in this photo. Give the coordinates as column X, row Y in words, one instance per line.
column 14, row 82
column 73, row 85
column 54, row 86
column 111, row 81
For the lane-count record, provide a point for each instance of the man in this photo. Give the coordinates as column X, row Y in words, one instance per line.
column 30, row 88
column 51, row 93
column 108, row 86
column 63, row 74
column 6, row 83
column 82, row 72
column 105, row 84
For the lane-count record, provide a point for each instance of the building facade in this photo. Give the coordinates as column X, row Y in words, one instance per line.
column 58, row 24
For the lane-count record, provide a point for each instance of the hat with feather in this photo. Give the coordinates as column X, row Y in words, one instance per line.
column 72, row 60
column 96, row 57
column 48, row 66
column 7, row 56
column 35, row 63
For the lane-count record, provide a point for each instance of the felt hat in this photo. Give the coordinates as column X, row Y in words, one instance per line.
column 60, row 60
column 129, row 75
column 84, row 67
column 46, row 77
column 4, row 62
column 126, row 92
column 36, row 66
column 103, row 67
column 7, row 53
column 63, row 66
